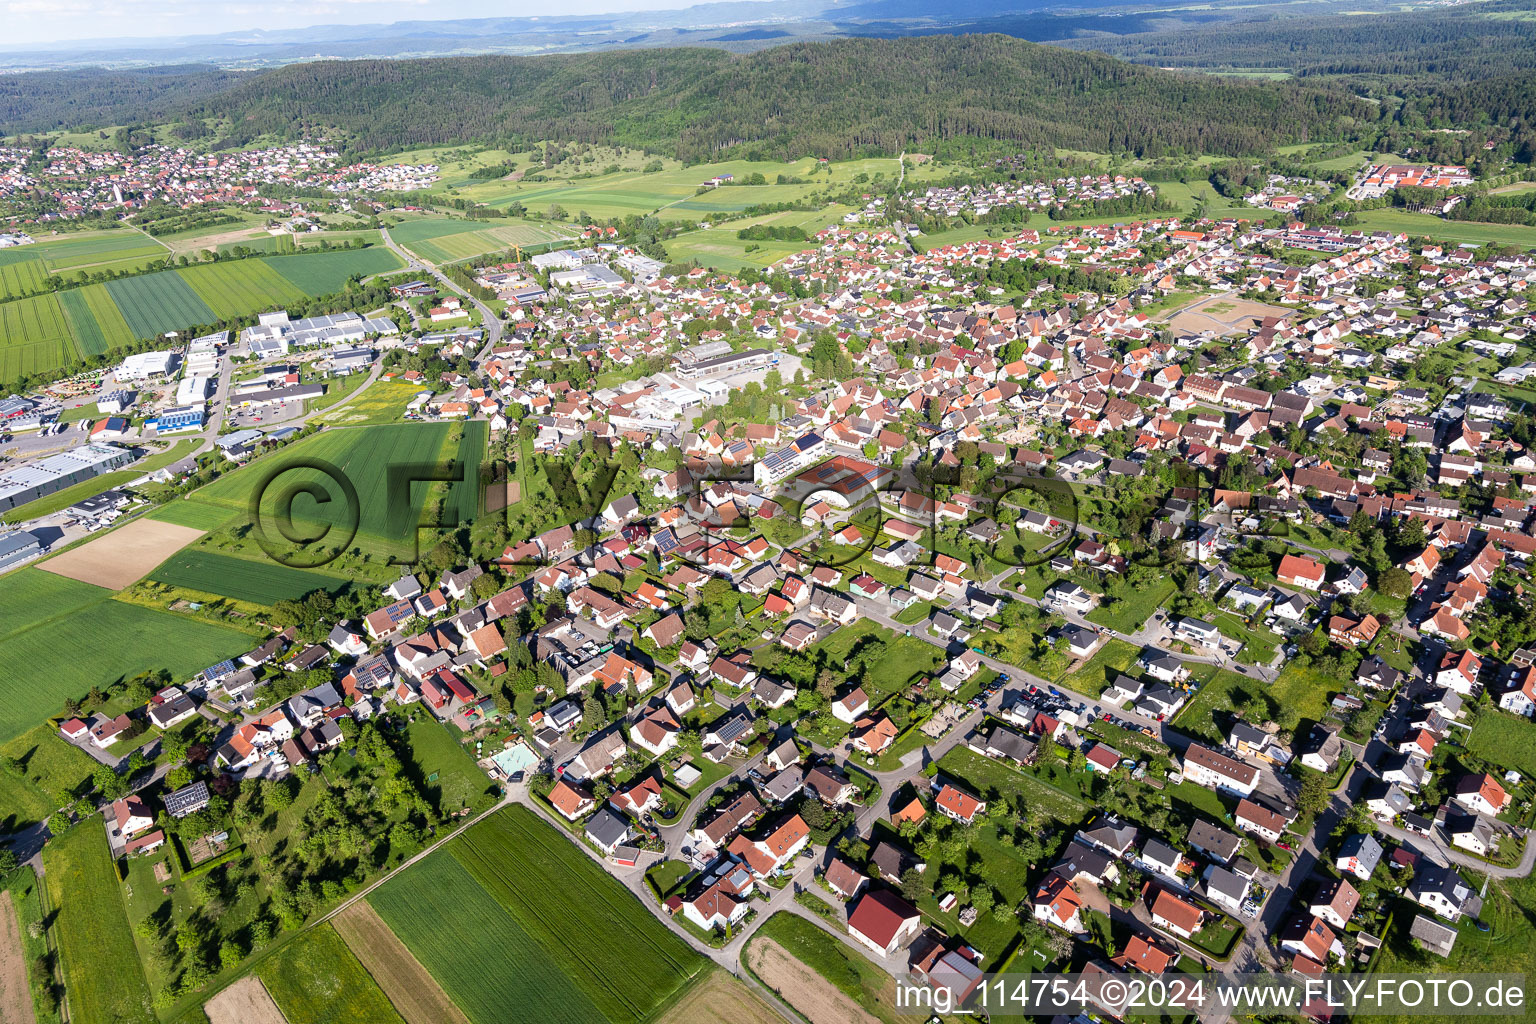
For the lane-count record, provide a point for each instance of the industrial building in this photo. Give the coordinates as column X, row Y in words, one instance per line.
column 18, row 547
column 143, row 365
column 46, row 476
column 179, row 418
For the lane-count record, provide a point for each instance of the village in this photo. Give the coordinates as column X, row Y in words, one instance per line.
column 1176, row 570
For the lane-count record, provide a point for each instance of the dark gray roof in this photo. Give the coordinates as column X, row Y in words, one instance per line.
column 186, row 799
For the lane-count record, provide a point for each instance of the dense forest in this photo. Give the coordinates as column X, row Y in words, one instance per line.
column 46, row 100
column 835, row 99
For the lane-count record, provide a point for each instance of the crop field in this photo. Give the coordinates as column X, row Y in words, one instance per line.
column 316, row 978
column 194, row 513
column 383, row 402
column 97, row 248
column 103, row 979
column 468, row 244
column 1430, row 226
column 34, row 336
column 156, row 303
column 107, row 640
column 720, row 248
column 321, row 273
column 240, row 287
column 504, row 887
column 483, row 960
column 245, row 579
column 363, row 456
column 21, row 273
column 95, row 320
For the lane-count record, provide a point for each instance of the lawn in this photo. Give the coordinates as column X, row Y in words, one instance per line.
column 991, row 779
column 103, row 980
column 259, row 581
column 50, row 772
column 1208, row 712
column 363, row 457
column 1505, row 740
column 107, row 640
column 1098, row 673
column 449, row 775
column 1430, row 226
column 156, row 303
column 324, row 273
column 1508, row 946
column 97, row 323
column 494, row 919
column 1126, row 614
column 316, row 977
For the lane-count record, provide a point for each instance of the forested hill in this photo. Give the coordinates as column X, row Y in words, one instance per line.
column 45, row 100
column 833, row 99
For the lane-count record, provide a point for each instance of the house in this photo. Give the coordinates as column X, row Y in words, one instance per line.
column 1346, row 631
column 1227, row 888
column 640, row 797
column 892, row 862
column 782, row 756
column 186, row 800
column 1459, row 671
column 680, row 699
column 1005, row 743
column 1433, row 936
column 1217, row 771
column 1309, row 937
column 1260, row 820
column 1299, row 571
column 1144, row 955
column 872, row 735
column 1102, row 758
column 1162, row 666
column 1158, row 856
column 1359, row 855
column 1521, row 698
column 830, row 786
column 768, row 856
column 851, row 706
column 883, row 921
column 131, row 816
column 1481, row 794
column 571, row 800
column 1335, row 903
column 727, row 822
column 1472, row 832
column 959, row 805
column 1323, row 748
column 108, row 731
column 168, row 713
column 1057, row 903
column 1175, row 915
column 844, row 879
column 721, row 904
column 1216, row 843
column 1443, row 891
column 607, row 831
column 1196, row 631
column 657, row 732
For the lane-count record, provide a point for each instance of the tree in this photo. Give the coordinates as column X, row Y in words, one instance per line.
column 1395, row 582
column 1313, row 796
column 912, row 884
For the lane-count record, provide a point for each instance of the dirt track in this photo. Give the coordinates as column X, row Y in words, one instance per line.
column 801, row 987
column 122, row 557
column 15, row 994
column 415, row 993
column 720, row 999
column 244, row 1002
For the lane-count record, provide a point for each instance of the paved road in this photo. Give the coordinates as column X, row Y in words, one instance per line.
column 491, row 321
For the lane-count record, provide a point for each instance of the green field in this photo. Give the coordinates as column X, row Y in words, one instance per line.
column 245, row 579
column 362, row 456
column 92, row 249
column 103, row 980
column 495, row 919
column 97, row 323
column 317, row 978
column 449, row 775
column 21, row 273
column 194, row 513
column 240, row 287
column 50, row 772
column 720, row 248
column 34, row 336
column 157, row 303
column 849, row 972
column 1504, row 739
column 445, row 239
column 383, row 402
column 1440, row 229
column 322, row 273
column 87, row 639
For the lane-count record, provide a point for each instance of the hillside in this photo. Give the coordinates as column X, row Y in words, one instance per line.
column 832, row 99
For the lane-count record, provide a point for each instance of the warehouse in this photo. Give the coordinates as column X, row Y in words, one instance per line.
column 44, row 477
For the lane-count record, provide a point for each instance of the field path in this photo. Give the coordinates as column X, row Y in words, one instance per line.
column 244, row 1002
column 15, row 994
column 416, row 994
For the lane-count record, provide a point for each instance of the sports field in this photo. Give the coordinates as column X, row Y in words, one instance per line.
column 246, row 579
column 492, row 919
column 103, row 979
column 156, row 303
column 240, row 287
column 363, row 456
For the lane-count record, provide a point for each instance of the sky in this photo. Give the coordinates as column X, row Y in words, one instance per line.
column 54, row 22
